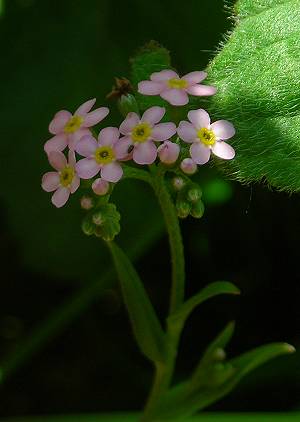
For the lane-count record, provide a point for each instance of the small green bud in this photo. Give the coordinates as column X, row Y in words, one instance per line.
column 197, row 210
column 127, row 103
column 98, row 219
column 194, row 194
column 87, row 226
column 183, row 208
column 219, row 354
column 109, row 226
column 178, row 183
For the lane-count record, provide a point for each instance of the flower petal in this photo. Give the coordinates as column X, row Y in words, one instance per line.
column 59, row 121
column 194, row 77
column 112, row 172
column 186, row 131
column 200, row 153
column 71, row 159
column 108, row 136
column 175, row 97
column 60, row 197
column 85, row 107
column 163, row 131
column 223, row 150
column 201, row 90
column 150, row 87
column 223, row 129
column 95, row 116
column 200, row 118
column 122, row 146
column 153, row 115
column 132, row 119
column 145, row 153
column 163, row 75
column 50, row 181
column 57, row 160
column 57, row 143
column 75, row 184
column 86, row 146
column 76, row 136
column 87, row 168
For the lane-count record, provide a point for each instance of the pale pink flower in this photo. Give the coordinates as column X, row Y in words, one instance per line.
column 206, row 137
column 69, row 129
column 64, row 180
column 168, row 152
column 100, row 186
column 188, row 166
column 142, row 132
column 174, row 89
column 101, row 156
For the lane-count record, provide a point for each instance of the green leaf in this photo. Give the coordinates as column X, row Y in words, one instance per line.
column 146, row 326
column 257, row 74
column 189, row 397
column 213, row 289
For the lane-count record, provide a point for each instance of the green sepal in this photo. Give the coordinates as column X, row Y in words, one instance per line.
column 103, row 221
column 146, row 326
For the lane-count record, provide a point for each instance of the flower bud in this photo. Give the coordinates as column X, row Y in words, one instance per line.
column 110, row 225
column 86, row 202
column 183, row 208
column 168, row 152
column 127, row 103
column 98, row 218
column 178, row 183
column 100, row 186
column 87, row 226
column 197, row 210
column 194, row 194
column 188, row 166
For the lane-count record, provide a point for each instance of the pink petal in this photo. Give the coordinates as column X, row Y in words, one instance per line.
column 200, row 153
column 50, row 181
column 186, row 131
column 108, row 136
column 60, row 197
column 71, row 159
column 174, row 96
column 112, row 172
column 194, row 77
column 75, row 184
column 201, row 90
column 57, row 143
column 200, row 118
column 163, row 75
column 57, row 160
column 168, row 152
column 87, row 168
column 153, row 115
column 132, row 119
column 85, row 107
column 223, row 150
column 76, row 136
column 86, row 146
column 150, row 87
column 100, row 186
column 121, row 147
column 59, row 121
column 163, row 131
column 95, row 116
column 223, row 129
column 145, row 153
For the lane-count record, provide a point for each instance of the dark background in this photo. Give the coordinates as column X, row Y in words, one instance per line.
column 55, row 55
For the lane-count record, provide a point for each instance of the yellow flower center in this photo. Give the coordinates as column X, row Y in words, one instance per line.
column 104, row 155
column 66, row 176
column 206, row 136
column 177, row 83
column 141, row 132
column 73, row 124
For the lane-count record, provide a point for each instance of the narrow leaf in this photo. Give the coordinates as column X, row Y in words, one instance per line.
column 146, row 326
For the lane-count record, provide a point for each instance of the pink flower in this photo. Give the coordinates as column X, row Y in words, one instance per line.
column 168, row 152
column 68, row 128
column 142, row 132
column 101, row 156
column 64, row 181
column 206, row 137
column 174, row 89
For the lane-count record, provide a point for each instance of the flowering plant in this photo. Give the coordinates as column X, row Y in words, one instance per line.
column 156, row 144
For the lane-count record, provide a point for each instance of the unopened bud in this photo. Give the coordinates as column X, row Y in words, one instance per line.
column 188, row 166
column 168, row 152
column 183, row 208
column 178, row 183
column 98, row 219
column 87, row 226
column 100, row 186
column 86, row 203
column 219, row 354
column 127, row 103
column 197, row 210
column 194, row 194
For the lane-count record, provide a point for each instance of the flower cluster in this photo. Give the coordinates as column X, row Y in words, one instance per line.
column 143, row 139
